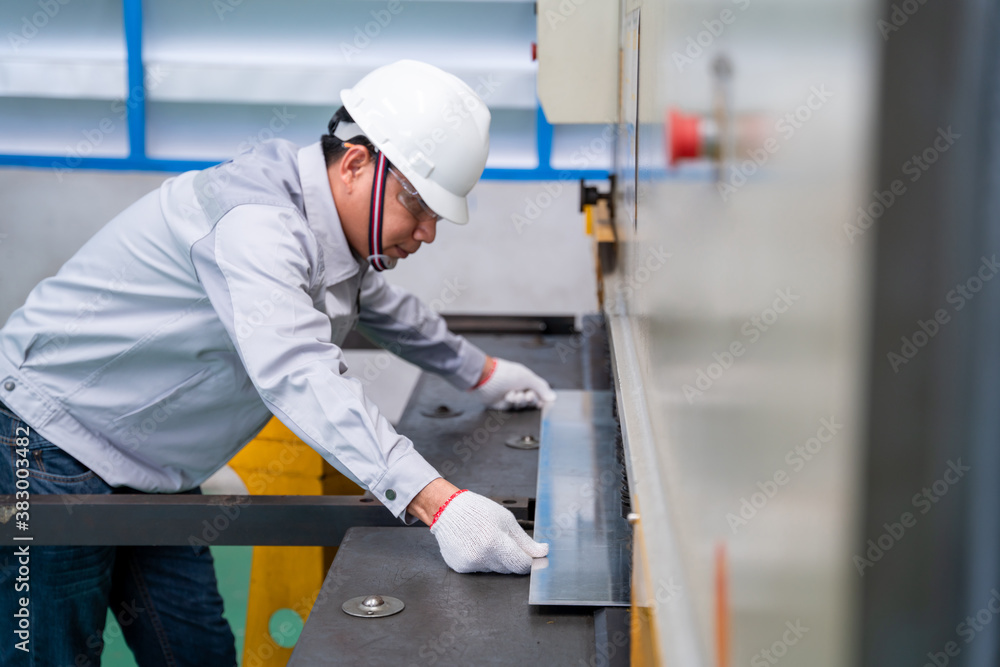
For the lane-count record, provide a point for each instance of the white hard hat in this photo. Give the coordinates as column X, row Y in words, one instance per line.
column 432, row 127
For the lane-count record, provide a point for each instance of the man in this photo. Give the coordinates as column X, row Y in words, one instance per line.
column 168, row 341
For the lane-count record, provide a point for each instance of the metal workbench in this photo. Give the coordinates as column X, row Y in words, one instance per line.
column 466, row 619
column 449, row 619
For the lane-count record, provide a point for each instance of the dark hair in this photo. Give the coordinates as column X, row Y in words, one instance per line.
column 334, row 148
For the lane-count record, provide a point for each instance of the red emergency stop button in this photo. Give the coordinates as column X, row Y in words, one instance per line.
column 684, row 134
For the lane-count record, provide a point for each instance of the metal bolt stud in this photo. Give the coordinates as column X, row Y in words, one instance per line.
column 522, row 442
column 441, row 412
column 373, row 606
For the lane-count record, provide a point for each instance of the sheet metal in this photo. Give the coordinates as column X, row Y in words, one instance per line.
column 578, row 510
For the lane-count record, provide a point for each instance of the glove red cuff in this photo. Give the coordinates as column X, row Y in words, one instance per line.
column 441, row 509
column 489, row 374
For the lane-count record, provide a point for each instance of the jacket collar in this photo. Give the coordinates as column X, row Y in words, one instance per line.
column 321, row 214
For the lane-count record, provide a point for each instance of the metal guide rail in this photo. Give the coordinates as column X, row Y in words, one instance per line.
column 192, row 520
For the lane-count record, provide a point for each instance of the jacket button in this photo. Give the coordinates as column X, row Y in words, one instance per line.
column 8, row 385
column 390, row 494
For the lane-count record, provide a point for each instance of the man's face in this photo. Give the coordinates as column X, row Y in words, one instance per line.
column 406, row 223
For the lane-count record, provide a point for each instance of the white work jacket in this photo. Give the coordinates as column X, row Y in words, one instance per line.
column 168, row 341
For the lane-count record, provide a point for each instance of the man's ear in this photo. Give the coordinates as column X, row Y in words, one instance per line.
column 352, row 166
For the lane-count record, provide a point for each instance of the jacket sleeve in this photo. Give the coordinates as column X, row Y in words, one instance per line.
column 256, row 266
column 394, row 319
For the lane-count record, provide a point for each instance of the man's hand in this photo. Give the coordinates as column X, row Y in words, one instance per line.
column 508, row 385
column 431, row 497
column 476, row 534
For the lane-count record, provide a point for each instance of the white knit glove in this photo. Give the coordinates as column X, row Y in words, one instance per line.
column 513, row 386
column 476, row 534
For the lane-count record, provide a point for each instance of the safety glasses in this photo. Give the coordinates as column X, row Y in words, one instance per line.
column 412, row 201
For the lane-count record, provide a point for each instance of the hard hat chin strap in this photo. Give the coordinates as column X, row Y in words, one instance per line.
column 378, row 259
column 376, row 256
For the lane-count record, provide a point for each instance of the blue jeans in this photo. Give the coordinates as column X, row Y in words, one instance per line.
column 166, row 599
